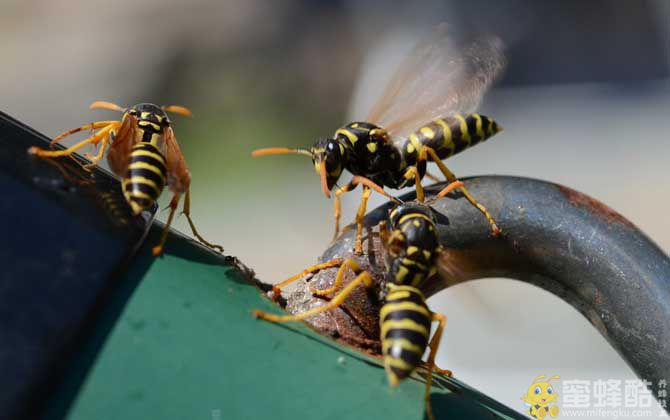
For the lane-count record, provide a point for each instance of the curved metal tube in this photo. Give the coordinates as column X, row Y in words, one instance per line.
column 554, row 237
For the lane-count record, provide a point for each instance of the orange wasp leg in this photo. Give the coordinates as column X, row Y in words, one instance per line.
column 360, row 214
column 337, row 206
column 449, row 188
column 434, row 344
column 369, row 185
column 95, row 159
column 186, row 210
column 413, row 172
column 362, row 277
column 91, row 126
column 94, row 139
column 495, row 230
column 276, row 289
column 339, row 278
column 384, row 235
column 158, row 249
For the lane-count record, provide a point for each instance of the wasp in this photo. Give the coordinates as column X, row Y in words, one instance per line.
column 412, row 248
column 438, row 83
column 141, row 149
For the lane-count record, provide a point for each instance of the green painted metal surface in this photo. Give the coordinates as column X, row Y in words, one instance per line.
column 180, row 343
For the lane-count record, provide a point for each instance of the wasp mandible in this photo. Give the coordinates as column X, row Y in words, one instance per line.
column 141, row 149
column 437, row 82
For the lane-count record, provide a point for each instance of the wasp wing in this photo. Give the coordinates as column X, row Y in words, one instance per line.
column 440, row 77
column 179, row 177
column 119, row 151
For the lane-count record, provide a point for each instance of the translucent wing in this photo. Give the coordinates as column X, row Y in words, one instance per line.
column 179, row 177
column 440, row 77
column 118, row 155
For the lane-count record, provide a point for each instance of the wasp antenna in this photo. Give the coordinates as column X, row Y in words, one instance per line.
column 280, row 151
column 182, row 110
column 106, row 105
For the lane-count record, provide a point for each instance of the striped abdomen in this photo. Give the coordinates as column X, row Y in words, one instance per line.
column 145, row 177
column 405, row 327
column 450, row 135
column 414, row 264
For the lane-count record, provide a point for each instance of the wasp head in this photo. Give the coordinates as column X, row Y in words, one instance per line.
column 150, row 113
column 406, row 209
column 328, row 156
column 412, row 224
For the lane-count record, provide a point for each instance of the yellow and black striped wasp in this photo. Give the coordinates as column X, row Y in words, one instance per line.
column 141, row 149
column 412, row 247
column 438, row 83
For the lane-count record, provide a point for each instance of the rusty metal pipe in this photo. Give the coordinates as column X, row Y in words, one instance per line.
column 554, row 237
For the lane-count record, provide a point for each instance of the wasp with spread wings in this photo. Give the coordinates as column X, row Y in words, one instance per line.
column 425, row 113
column 144, row 152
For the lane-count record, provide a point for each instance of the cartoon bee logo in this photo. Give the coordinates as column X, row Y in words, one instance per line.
column 541, row 398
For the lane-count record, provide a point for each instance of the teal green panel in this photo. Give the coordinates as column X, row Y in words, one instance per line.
column 186, row 347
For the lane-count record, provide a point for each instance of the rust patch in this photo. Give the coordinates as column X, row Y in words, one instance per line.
column 597, row 298
column 594, row 206
column 356, row 321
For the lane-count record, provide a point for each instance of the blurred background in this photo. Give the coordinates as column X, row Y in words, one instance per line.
column 585, row 102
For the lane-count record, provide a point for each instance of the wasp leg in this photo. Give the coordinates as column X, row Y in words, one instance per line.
column 94, row 139
column 337, row 206
column 368, row 186
column 371, row 242
column 338, row 278
column 355, row 181
column 368, row 183
column 383, row 233
column 91, row 126
column 413, row 172
column 187, row 212
column 449, row 188
column 276, row 289
column 158, row 249
column 495, row 230
column 95, row 159
column 438, row 369
column 362, row 277
column 441, row 371
column 433, row 345
column 358, row 244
